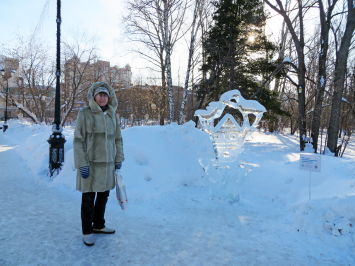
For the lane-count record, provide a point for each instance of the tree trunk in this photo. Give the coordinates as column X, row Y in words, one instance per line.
column 168, row 60
column 301, row 70
column 322, row 70
column 271, row 126
column 163, row 96
column 339, row 78
column 191, row 53
column 301, row 80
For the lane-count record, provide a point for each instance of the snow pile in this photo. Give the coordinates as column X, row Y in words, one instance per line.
column 158, row 159
column 279, row 178
column 162, row 168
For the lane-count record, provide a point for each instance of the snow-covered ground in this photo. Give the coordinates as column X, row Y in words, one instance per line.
column 172, row 218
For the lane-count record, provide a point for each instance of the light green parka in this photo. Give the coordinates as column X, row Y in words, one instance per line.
column 97, row 143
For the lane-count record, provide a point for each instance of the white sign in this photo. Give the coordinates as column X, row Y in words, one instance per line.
column 310, row 162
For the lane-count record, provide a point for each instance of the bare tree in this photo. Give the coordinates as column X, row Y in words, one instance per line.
column 79, row 71
column 347, row 119
column 197, row 20
column 325, row 22
column 36, row 74
column 339, row 78
column 299, row 42
column 157, row 24
column 139, row 100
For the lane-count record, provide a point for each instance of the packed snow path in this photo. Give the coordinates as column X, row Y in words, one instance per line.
column 40, row 225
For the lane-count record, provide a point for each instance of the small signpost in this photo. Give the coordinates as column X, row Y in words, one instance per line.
column 312, row 163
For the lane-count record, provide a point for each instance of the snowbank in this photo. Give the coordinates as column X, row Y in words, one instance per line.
column 162, row 160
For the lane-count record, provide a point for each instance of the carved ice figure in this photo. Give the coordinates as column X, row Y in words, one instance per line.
column 228, row 136
column 228, row 139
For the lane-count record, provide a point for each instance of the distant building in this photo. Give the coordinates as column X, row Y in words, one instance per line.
column 118, row 78
column 8, row 64
column 79, row 76
column 121, row 77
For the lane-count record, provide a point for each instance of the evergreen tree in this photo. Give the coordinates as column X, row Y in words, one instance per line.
column 237, row 54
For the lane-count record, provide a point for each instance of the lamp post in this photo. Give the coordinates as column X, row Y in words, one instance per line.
column 12, row 72
column 56, row 140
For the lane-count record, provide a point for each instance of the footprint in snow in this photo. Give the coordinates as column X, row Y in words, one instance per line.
column 288, row 181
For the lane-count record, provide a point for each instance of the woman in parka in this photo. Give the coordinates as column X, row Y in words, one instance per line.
column 98, row 151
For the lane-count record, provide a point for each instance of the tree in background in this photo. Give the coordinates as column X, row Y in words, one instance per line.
column 157, row 25
column 297, row 35
column 325, row 17
column 36, row 75
column 341, row 63
column 79, row 72
column 238, row 54
column 347, row 115
column 199, row 16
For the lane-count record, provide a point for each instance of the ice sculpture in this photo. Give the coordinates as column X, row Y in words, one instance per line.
column 228, row 139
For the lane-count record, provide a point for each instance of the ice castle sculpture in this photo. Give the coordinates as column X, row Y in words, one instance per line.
column 228, row 139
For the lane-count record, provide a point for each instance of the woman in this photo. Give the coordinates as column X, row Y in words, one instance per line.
column 98, row 151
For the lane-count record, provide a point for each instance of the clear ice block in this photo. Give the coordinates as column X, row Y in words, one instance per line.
column 227, row 138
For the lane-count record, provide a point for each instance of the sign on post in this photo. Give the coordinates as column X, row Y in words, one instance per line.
column 311, row 163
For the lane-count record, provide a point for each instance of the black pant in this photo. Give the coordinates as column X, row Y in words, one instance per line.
column 93, row 213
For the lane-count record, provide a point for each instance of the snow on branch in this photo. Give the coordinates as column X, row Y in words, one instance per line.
column 344, row 100
column 28, row 112
column 24, row 109
column 287, row 60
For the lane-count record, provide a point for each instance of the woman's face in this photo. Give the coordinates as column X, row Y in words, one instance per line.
column 101, row 98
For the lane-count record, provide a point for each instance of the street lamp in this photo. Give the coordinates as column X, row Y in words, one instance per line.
column 12, row 72
column 56, row 139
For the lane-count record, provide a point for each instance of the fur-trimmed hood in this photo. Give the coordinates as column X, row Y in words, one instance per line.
column 112, row 101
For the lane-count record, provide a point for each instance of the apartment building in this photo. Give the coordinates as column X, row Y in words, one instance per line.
column 8, row 64
column 78, row 77
column 76, row 71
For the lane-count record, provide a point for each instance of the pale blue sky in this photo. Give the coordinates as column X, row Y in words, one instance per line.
column 98, row 17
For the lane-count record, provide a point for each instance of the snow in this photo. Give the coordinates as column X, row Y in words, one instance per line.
column 310, row 111
column 251, row 104
column 287, row 59
column 344, row 100
column 172, row 220
column 23, row 108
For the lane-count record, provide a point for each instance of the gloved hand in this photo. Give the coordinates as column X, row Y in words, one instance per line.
column 84, row 171
column 118, row 165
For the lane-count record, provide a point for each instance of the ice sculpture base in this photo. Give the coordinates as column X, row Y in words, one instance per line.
column 225, row 179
